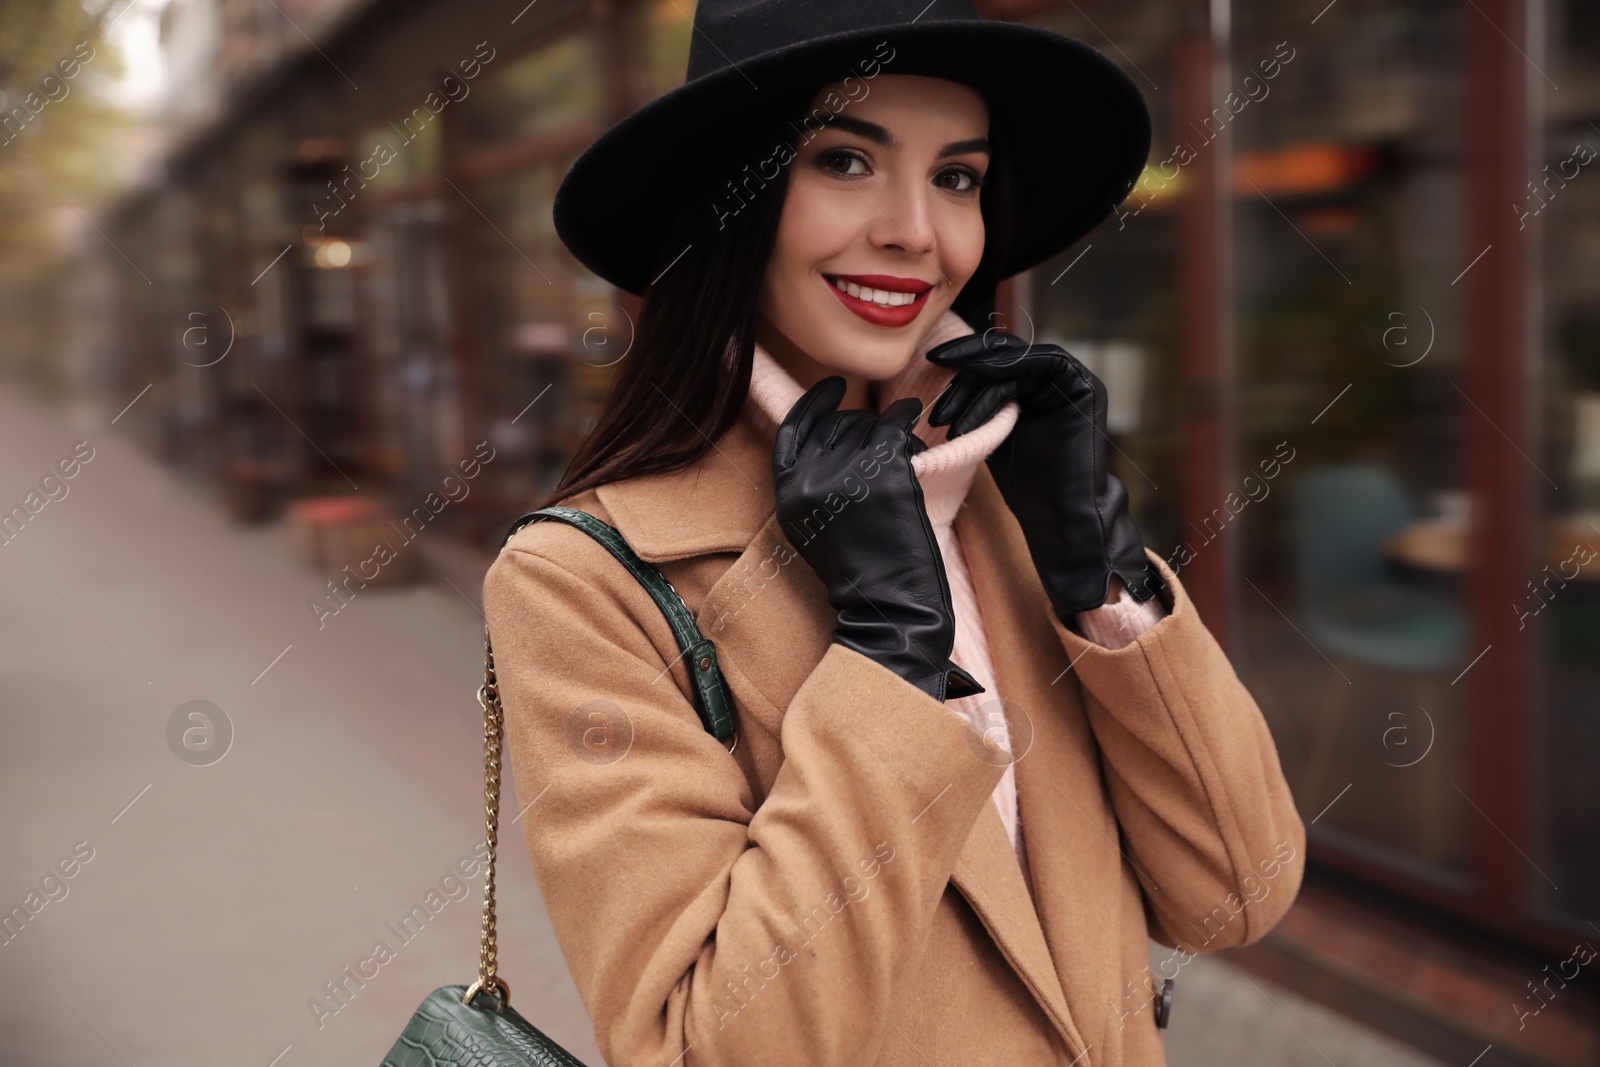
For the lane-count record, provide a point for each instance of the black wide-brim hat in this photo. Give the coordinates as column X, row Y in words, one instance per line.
column 1076, row 128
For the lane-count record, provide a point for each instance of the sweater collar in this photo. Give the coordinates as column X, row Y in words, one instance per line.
column 946, row 469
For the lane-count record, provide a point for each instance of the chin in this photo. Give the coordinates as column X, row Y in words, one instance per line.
column 880, row 353
column 875, row 362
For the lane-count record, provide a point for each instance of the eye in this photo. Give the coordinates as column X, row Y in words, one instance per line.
column 839, row 161
column 959, row 180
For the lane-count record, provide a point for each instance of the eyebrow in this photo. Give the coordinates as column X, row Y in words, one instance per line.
column 878, row 135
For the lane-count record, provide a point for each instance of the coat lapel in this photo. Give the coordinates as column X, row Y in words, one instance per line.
column 1068, row 830
column 988, row 876
column 725, row 503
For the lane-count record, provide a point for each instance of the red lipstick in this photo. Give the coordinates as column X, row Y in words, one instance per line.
column 878, row 314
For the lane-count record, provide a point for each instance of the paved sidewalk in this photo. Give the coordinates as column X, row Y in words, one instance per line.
column 210, row 907
column 1223, row 1017
column 220, row 900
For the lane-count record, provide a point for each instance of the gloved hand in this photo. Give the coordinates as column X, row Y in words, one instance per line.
column 1052, row 467
column 850, row 504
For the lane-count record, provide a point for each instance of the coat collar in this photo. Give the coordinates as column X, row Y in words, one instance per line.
column 716, row 504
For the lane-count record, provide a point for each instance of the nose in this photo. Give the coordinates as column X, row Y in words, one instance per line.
column 903, row 219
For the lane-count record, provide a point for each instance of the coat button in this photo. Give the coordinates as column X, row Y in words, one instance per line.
column 1164, row 1004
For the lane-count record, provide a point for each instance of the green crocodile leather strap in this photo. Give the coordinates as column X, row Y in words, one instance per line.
column 714, row 705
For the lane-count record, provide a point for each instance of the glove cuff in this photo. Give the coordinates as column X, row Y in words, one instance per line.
column 958, row 684
column 1085, row 591
column 947, row 683
column 951, row 683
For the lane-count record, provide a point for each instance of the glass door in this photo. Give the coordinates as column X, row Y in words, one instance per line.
column 1560, row 603
column 1347, row 192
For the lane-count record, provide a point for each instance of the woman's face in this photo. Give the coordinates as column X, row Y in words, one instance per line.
column 883, row 199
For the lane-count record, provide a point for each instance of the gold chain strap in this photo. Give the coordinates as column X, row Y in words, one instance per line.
column 494, row 722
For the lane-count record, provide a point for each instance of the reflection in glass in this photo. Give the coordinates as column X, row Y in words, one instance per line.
column 1562, row 605
column 1347, row 185
column 554, row 88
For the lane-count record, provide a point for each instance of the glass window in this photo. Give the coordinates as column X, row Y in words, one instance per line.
column 400, row 151
column 666, row 27
column 542, row 320
column 1111, row 299
column 542, row 325
column 1348, row 227
column 554, row 88
column 1561, row 206
column 416, row 437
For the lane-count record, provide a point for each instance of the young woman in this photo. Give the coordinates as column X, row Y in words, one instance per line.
column 986, row 749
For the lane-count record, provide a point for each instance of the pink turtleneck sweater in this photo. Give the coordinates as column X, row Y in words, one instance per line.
column 945, row 472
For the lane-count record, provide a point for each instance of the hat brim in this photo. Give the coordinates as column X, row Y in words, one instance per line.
column 1077, row 133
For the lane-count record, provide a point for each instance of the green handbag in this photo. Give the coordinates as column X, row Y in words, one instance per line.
column 475, row 1026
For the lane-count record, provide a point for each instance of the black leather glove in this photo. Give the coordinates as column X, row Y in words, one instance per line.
column 851, row 505
column 1052, row 467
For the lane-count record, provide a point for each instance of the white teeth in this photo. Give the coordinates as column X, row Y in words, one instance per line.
column 881, row 297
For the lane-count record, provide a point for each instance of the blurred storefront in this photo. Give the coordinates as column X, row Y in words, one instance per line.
column 366, row 223
column 1349, row 322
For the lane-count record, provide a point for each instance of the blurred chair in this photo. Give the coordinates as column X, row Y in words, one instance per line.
column 1342, row 516
column 1353, row 609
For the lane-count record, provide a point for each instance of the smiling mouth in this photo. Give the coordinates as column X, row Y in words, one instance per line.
column 882, row 300
column 882, row 292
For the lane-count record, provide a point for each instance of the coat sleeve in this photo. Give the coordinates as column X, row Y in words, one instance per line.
column 1121, row 618
column 699, row 927
column 1193, row 774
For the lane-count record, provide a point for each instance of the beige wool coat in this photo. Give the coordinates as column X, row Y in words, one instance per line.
column 840, row 890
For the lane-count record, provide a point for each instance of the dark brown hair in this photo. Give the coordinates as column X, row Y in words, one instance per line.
column 687, row 378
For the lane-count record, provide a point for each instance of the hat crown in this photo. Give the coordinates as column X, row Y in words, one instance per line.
column 728, row 32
